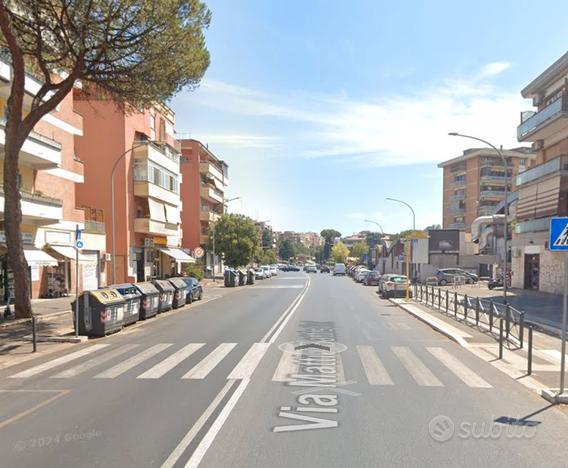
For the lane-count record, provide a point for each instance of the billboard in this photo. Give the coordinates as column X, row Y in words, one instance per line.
column 444, row 241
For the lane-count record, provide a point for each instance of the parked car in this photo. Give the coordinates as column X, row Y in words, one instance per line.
column 360, row 274
column 274, row 269
column 395, row 286
column 259, row 273
column 382, row 280
column 311, row 269
column 267, row 270
column 372, row 279
column 195, row 290
column 449, row 275
column 293, row 268
column 324, row 269
column 339, row 269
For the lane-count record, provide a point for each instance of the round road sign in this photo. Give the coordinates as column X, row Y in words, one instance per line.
column 79, row 244
column 198, row 252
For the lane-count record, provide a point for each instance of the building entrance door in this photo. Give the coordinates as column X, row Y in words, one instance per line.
column 532, row 271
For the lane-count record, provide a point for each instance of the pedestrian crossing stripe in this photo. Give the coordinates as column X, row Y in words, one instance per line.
column 131, row 358
column 562, row 239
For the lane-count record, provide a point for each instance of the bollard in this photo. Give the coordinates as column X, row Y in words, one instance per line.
column 529, row 359
column 439, row 299
column 447, row 299
column 490, row 315
column 456, row 304
column 477, row 312
column 465, row 307
column 500, row 338
column 507, row 320
column 521, row 329
column 34, row 335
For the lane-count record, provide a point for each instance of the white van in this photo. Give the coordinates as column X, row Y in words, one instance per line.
column 339, row 269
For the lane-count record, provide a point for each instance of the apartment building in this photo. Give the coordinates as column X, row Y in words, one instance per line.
column 474, row 183
column 308, row 239
column 203, row 193
column 542, row 189
column 50, row 170
column 141, row 145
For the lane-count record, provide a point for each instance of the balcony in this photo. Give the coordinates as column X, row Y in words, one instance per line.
column 458, row 197
column 533, row 225
column 209, row 216
column 545, row 122
column 37, row 209
column 153, row 227
column 460, row 225
column 493, row 179
column 458, row 183
column 144, row 188
column 456, row 210
column 94, row 227
column 210, row 170
column 204, row 239
column 492, row 194
column 162, row 155
column 38, row 151
column 553, row 166
column 211, row 194
column 486, row 210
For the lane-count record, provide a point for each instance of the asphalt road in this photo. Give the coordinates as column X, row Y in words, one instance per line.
column 289, row 373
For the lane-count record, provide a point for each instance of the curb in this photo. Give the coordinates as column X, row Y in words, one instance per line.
column 449, row 334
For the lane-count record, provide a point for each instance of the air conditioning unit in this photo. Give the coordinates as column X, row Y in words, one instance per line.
column 108, row 257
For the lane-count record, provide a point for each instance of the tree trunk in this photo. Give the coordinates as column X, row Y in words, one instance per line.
column 12, row 222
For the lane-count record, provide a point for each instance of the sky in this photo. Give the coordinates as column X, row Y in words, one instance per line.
column 322, row 109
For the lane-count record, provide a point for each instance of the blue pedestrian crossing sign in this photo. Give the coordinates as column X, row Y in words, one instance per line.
column 79, row 244
column 558, row 234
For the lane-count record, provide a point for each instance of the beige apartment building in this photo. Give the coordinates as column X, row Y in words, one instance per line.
column 474, row 183
column 542, row 189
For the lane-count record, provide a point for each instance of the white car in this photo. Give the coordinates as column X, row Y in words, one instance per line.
column 360, row 274
column 267, row 270
column 274, row 269
column 339, row 269
column 259, row 273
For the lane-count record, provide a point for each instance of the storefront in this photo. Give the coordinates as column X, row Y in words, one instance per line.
column 173, row 261
column 61, row 277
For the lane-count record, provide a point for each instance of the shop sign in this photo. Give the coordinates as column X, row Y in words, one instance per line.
column 57, row 237
column 27, row 237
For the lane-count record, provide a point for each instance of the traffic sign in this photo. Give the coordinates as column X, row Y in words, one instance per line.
column 79, row 244
column 198, row 252
column 558, row 234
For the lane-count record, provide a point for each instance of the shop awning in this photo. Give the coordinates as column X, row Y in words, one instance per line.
column 69, row 252
column 39, row 257
column 178, row 255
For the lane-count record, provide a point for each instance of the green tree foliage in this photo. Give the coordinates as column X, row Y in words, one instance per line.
column 373, row 239
column 135, row 52
column 359, row 250
column 266, row 238
column 236, row 238
column 194, row 272
column 268, row 257
column 329, row 235
column 286, row 249
column 339, row 252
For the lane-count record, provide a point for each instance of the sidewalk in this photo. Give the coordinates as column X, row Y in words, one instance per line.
column 546, row 348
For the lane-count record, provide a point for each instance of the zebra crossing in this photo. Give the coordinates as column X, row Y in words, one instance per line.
column 199, row 360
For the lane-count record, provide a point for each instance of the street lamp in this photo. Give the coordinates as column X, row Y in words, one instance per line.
column 382, row 232
column 506, row 200
column 407, row 245
column 112, row 174
column 213, row 236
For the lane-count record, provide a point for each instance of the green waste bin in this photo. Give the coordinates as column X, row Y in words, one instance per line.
column 101, row 312
column 180, row 294
column 166, row 294
column 133, row 299
column 150, row 303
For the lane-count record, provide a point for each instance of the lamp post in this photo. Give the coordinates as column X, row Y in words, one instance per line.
column 213, row 237
column 506, row 210
column 382, row 232
column 407, row 245
column 112, row 174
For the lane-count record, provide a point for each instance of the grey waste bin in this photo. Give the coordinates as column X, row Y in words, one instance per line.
column 100, row 312
column 166, row 294
column 242, row 278
column 230, row 278
column 180, row 294
column 150, row 299
column 251, row 276
column 133, row 299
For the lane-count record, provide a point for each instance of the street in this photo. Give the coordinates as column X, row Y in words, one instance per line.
column 296, row 371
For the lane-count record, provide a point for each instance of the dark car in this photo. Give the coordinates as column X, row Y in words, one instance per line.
column 195, row 291
column 311, row 269
column 372, row 279
column 294, row 268
column 324, row 269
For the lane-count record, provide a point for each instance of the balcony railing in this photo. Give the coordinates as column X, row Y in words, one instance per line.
column 457, row 225
column 539, row 118
column 533, row 225
column 550, row 167
column 458, row 183
column 492, row 178
column 457, row 197
column 456, row 210
column 486, row 210
column 94, row 227
column 37, row 198
column 492, row 193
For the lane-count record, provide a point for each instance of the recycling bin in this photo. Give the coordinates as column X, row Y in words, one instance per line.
column 101, row 312
column 150, row 299
column 166, row 294
column 242, row 278
column 180, row 294
column 230, row 278
column 133, row 299
column 250, row 276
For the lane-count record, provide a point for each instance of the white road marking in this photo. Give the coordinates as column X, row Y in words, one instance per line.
column 58, row 361
column 287, row 366
column 249, row 361
column 293, row 286
column 373, row 367
column 188, row 438
column 207, row 364
column 206, row 442
column 461, row 371
column 419, row 372
column 124, row 366
column 170, row 362
column 85, row 366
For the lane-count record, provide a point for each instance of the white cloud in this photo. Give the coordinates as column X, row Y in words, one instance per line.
column 390, row 130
